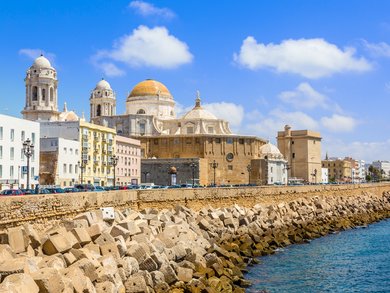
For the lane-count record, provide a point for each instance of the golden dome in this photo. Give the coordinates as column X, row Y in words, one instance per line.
column 150, row 87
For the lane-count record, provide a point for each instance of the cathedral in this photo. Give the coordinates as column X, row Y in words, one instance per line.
column 197, row 146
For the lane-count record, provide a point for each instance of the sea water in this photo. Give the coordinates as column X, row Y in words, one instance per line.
column 356, row 260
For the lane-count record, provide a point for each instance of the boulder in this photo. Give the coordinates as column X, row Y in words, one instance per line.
column 56, row 244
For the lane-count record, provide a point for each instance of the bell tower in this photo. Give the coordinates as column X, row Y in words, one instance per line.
column 41, row 92
column 102, row 100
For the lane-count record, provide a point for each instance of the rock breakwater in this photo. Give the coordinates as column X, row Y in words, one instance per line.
column 170, row 250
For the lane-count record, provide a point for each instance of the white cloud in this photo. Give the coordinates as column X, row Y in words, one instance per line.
column 267, row 127
column 381, row 49
column 35, row 53
column 304, row 96
column 311, row 58
column 227, row 111
column 150, row 47
column 147, row 9
column 110, row 69
column 368, row 151
column 339, row 123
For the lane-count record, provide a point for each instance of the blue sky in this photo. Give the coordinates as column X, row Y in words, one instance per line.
column 322, row 65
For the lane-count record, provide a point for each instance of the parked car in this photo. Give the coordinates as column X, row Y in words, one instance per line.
column 28, row 191
column 70, row 189
column 85, row 187
column 99, row 188
column 10, row 192
column 43, row 191
column 56, row 190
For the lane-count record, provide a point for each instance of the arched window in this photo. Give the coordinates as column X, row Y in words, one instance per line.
column 35, row 93
column 51, row 94
column 99, row 110
column 141, row 111
column 43, row 94
column 142, row 128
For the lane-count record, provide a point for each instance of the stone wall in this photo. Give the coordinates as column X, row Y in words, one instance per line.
column 41, row 208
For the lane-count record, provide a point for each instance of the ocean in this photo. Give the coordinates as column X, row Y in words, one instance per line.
column 356, row 260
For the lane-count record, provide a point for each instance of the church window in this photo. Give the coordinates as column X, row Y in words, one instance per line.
column 229, row 157
column 43, row 94
column 176, row 141
column 293, row 155
column 217, row 140
column 171, row 113
column 210, row 130
column 142, row 128
column 190, row 130
column 241, row 141
column 292, row 142
column 141, row 111
column 35, row 93
column 229, row 140
column 99, row 110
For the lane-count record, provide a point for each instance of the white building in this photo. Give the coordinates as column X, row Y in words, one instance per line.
column 383, row 166
column 324, row 175
column 13, row 162
column 59, row 161
column 128, row 169
column 361, row 171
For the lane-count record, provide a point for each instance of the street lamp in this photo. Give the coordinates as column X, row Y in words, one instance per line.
column 114, row 162
column 315, row 175
column 81, row 165
column 28, row 150
column 146, row 173
column 193, row 167
column 249, row 168
column 214, row 165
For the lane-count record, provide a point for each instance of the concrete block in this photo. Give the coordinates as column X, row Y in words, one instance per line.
column 6, row 253
column 169, row 273
column 95, row 230
column 104, row 238
column 56, row 244
column 56, row 261
column 19, row 283
column 88, row 268
column 184, row 274
column 136, row 284
column 119, row 230
column 49, row 280
column 131, row 227
column 69, row 258
column 18, row 239
column 80, row 282
column 92, row 217
column 108, row 213
column 74, row 243
column 110, row 249
column 136, row 251
column 105, row 287
column 82, row 236
column 148, row 264
column 121, row 244
column 35, row 240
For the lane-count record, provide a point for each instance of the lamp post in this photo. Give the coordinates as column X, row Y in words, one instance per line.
column 82, row 167
column 146, row 173
column 249, row 168
column 214, row 165
column 114, row 162
column 315, row 175
column 28, row 150
column 193, row 167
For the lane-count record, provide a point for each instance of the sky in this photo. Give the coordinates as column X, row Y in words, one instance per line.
column 319, row 65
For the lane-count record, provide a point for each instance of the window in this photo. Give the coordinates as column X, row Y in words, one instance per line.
column 197, row 140
column 65, row 150
column 51, row 94
column 292, row 142
column 218, row 140
column 23, row 135
column 156, row 141
column 141, row 111
column 293, row 155
column 76, row 152
column 35, row 93
column 1, row 152
column 188, row 140
column 11, row 172
column 12, row 134
column 22, row 155
column 33, row 138
column 229, row 140
column 11, row 153
column 76, row 169
column 230, row 167
column 43, row 94
column 142, row 128
column 71, row 151
column 70, row 168
column 210, row 129
column 1, row 132
column 190, row 130
column 32, row 172
column 1, row 171
column 241, row 141
column 64, row 168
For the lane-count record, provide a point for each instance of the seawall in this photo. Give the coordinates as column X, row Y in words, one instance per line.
column 42, row 208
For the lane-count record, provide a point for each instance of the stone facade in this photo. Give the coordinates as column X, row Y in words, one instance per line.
column 128, row 169
column 339, row 170
column 302, row 149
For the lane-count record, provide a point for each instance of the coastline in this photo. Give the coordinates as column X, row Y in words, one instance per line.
column 173, row 250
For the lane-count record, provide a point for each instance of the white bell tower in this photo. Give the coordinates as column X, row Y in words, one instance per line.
column 41, row 92
column 102, row 100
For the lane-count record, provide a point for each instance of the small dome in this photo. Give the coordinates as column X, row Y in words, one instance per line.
column 150, row 87
column 103, row 85
column 41, row 62
column 198, row 112
column 270, row 150
column 68, row 116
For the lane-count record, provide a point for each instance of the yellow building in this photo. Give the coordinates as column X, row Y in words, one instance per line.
column 97, row 149
column 302, row 149
column 339, row 170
